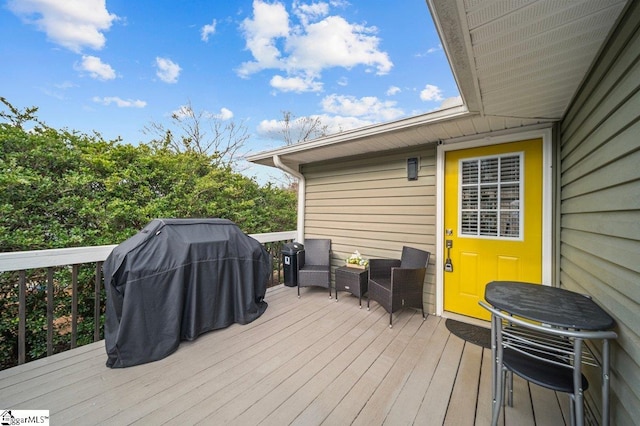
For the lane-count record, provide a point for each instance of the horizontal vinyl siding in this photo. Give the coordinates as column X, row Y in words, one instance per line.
column 600, row 205
column 367, row 204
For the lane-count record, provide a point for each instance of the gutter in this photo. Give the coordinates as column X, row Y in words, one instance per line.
column 301, row 194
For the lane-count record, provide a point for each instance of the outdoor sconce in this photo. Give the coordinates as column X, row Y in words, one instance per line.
column 412, row 168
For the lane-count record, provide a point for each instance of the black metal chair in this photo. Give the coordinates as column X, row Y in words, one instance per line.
column 397, row 284
column 315, row 265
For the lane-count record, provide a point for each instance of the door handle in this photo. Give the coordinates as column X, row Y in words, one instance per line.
column 448, row 266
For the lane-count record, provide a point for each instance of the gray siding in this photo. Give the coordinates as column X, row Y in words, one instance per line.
column 367, row 204
column 600, row 203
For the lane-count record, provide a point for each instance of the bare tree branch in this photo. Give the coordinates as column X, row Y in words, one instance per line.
column 300, row 129
column 201, row 132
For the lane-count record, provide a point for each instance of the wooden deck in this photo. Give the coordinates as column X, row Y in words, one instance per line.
column 305, row 361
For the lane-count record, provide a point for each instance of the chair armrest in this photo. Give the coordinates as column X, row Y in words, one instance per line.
column 381, row 268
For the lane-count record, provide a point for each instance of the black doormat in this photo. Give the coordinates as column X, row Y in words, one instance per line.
column 475, row 334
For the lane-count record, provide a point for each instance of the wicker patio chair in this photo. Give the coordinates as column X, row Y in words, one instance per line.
column 397, row 284
column 315, row 268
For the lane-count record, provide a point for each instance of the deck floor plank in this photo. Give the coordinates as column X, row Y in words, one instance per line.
column 261, row 388
column 406, row 406
column 460, row 412
column 386, row 394
column 522, row 412
column 356, row 358
column 305, row 361
column 434, row 406
column 371, row 368
column 485, row 394
column 303, row 387
column 547, row 407
column 291, row 396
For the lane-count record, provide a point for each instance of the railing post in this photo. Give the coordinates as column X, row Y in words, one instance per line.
column 49, row 311
column 96, row 306
column 22, row 317
column 74, row 305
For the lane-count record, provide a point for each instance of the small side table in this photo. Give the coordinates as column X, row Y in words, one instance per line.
column 353, row 280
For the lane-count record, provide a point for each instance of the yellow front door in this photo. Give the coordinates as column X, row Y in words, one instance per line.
column 492, row 221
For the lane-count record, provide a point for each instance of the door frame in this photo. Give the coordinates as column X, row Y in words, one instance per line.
column 546, row 134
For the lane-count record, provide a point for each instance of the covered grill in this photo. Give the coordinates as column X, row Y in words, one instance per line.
column 177, row 279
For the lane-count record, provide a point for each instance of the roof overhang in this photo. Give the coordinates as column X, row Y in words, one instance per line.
column 434, row 127
column 517, row 65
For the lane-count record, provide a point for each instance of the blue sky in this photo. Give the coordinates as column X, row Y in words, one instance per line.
column 116, row 66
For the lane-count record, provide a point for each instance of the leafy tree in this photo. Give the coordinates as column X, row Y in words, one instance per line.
column 18, row 117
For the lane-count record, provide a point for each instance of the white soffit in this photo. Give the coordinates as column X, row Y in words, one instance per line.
column 530, row 56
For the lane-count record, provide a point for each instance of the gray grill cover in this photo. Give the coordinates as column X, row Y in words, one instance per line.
column 176, row 279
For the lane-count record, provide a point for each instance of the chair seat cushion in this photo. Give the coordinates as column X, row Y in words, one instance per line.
column 314, row 275
column 385, row 283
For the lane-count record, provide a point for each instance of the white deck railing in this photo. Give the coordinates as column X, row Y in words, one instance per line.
column 55, row 259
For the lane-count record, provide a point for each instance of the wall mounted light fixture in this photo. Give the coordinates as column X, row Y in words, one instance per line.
column 412, row 168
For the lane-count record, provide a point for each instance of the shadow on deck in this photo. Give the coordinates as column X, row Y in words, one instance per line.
column 305, row 361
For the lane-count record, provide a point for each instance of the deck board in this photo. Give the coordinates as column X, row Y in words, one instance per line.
column 411, row 396
column 436, row 400
column 386, row 394
column 306, row 361
column 460, row 412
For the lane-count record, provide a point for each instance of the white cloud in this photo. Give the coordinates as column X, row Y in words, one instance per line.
column 304, row 50
column 431, row 93
column 121, row 103
column 73, row 24
column 334, row 42
column 96, row 68
column 224, row 114
column 295, row 84
column 341, row 113
column 393, row 90
column 270, row 21
column 168, row 71
column 208, row 30
column 368, row 107
column 270, row 127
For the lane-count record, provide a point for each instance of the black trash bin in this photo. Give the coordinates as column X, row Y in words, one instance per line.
column 292, row 259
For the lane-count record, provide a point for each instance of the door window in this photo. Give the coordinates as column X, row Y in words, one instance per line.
column 491, row 191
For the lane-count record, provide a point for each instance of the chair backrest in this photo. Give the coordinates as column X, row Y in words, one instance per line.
column 413, row 258
column 317, row 251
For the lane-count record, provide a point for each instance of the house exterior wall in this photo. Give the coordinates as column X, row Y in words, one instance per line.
column 367, row 204
column 599, row 189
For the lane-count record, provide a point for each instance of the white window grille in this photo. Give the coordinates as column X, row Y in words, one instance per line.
column 491, row 201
